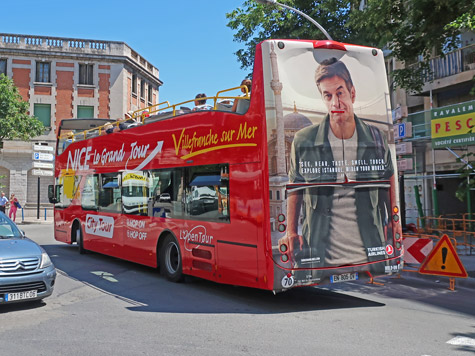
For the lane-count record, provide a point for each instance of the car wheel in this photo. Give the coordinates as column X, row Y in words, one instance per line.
column 170, row 260
column 79, row 241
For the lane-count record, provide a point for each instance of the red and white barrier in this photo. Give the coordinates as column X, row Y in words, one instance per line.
column 416, row 249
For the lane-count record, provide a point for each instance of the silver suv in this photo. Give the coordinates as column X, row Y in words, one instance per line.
column 26, row 271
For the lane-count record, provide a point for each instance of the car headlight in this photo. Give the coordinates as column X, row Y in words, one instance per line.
column 45, row 260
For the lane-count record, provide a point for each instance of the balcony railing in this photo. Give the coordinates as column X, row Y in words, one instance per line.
column 73, row 45
column 452, row 63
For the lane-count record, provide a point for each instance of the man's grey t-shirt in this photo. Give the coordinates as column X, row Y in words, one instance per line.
column 345, row 239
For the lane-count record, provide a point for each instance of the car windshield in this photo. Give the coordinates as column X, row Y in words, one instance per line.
column 8, row 229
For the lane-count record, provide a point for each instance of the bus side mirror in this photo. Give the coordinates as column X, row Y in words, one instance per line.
column 51, row 195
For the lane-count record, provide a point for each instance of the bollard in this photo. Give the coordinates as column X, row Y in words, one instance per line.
column 45, row 214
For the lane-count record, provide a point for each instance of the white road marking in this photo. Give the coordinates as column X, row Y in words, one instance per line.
column 462, row 341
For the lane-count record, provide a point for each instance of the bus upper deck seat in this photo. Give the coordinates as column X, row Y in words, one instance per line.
column 159, row 117
column 224, row 107
column 242, row 106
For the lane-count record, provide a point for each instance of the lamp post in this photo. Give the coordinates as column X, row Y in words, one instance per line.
column 274, row 2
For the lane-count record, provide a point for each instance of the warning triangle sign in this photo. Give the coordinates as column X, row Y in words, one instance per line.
column 443, row 261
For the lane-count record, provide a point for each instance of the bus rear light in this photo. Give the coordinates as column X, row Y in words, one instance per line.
column 283, row 248
column 284, row 258
column 397, row 236
column 329, row 45
column 395, row 210
column 398, row 245
column 396, row 218
column 282, row 227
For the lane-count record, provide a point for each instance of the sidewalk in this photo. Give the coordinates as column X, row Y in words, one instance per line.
column 468, row 262
column 33, row 220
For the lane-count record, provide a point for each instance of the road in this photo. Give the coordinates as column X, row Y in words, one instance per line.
column 104, row 306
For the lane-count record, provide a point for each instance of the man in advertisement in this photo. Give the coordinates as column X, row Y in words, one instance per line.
column 341, row 224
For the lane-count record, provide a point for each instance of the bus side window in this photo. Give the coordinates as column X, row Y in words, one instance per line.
column 207, row 193
column 166, row 199
column 90, row 193
column 135, row 192
column 110, row 198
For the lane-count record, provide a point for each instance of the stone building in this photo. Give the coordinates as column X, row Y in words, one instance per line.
column 65, row 78
column 429, row 170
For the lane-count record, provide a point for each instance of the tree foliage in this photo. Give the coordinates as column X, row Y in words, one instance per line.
column 255, row 22
column 14, row 119
column 411, row 29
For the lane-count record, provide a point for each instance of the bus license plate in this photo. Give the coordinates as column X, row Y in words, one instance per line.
column 10, row 297
column 344, row 277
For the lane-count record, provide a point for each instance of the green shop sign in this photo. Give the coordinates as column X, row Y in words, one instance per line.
column 453, row 125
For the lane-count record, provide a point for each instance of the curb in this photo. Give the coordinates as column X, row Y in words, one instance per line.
column 459, row 282
column 31, row 222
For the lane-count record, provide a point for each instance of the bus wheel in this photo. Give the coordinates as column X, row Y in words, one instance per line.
column 79, row 242
column 170, row 260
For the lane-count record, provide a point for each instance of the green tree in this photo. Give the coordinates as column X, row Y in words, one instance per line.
column 14, row 119
column 255, row 22
column 411, row 29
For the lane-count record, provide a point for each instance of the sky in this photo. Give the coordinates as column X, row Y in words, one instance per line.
column 187, row 40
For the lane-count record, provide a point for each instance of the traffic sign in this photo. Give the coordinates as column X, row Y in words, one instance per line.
column 41, row 156
column 43, row 165
column 42, row 172
column 405, row 164
column 42, row 148
column 443, row 261
column 404, row 148
column 416, row 249
column 403, row 130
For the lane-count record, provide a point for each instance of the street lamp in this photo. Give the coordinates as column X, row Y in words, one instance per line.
column 274, row 2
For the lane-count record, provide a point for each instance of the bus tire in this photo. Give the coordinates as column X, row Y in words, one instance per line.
column 79, row 241
column 170, row 260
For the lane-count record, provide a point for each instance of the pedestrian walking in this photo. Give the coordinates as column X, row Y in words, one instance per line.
column 14, row 206
column 3, row 202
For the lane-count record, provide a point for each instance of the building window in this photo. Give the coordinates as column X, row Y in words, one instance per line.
column 134, row 84
column 43, row 113
column 150, row 95
column 270, row 194
column 3, row 66
column 85, row 112
column 43, row 72
column 277, row 193
column 86, row 72
column 142, row 89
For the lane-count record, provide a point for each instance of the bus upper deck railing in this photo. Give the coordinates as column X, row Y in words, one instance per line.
column 160, row 111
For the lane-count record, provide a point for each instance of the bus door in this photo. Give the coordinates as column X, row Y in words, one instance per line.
column 206, row 196
column 138, row 232
column 102, row 206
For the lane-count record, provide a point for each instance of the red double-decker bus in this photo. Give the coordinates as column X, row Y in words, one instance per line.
column 295, row 187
